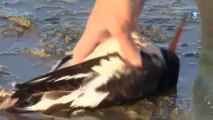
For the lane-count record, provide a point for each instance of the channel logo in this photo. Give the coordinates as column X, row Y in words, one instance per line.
column 194, row 15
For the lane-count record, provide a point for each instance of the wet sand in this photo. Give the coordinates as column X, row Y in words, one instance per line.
column 58, row 24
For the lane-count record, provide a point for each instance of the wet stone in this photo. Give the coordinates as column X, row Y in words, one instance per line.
column 70, row 1
column 192, row 64
column 3, row 71
column 22, row 21
column 184, row 45
column 15, row 25
column 52, row 20
column 11, row 2
column 191, row 54
column 36, row 52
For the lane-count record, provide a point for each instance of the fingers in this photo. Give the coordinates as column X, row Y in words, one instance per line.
column 89, row 40
column 128, row 49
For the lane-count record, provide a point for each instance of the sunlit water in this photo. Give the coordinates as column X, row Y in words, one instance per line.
column 57, row 25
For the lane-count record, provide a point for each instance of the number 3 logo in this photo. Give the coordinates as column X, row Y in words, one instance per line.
column 194, row 15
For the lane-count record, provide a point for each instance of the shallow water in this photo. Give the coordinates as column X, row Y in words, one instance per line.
column 57, row 25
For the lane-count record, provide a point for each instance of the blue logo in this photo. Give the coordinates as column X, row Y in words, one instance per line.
column 194, row 15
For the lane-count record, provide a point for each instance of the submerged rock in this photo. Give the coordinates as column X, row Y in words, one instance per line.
column 3, row 71
column 41, row 53
column 191, row 54
column 16, row 23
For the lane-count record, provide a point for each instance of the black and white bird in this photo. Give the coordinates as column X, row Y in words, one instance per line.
column 103, row 79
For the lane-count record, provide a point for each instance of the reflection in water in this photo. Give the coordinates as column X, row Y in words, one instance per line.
column 203, row 87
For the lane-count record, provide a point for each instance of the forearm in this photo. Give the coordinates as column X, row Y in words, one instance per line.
column 137, row 11
column 123, row 9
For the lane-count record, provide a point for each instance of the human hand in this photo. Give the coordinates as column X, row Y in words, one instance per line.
column 116, row 18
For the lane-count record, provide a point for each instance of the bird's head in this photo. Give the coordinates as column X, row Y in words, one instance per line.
column 170, row 78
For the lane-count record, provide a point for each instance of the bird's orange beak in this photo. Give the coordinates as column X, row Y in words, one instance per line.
column 173, row 45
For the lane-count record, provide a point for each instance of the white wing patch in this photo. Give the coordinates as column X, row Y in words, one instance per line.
column 68, row 63
column 39, row 80
column 110, row 45
column 41, row 105
column 87, row 96
column 112, row 67
column 90, row 97
column 68, row 77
